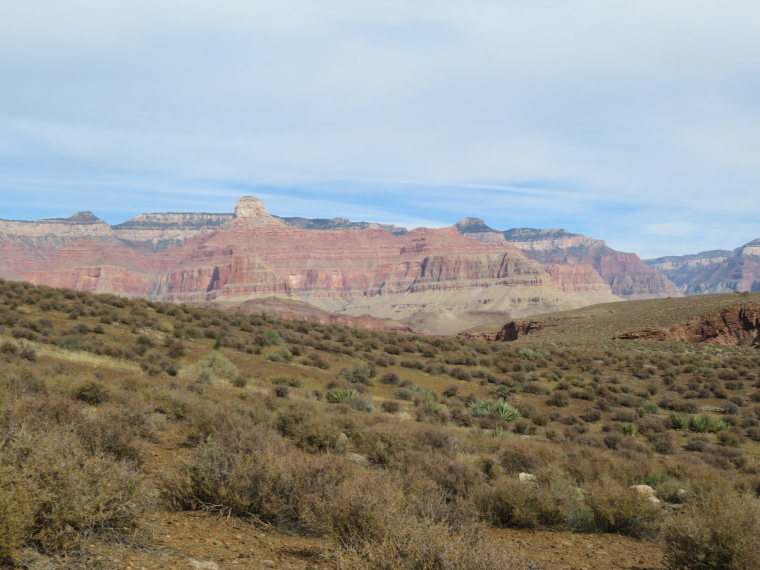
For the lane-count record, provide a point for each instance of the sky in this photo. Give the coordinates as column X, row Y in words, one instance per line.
column 632, row 121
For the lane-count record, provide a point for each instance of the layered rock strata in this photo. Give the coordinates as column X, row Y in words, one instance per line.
column 718, row 271
column 433, row 280
column 627, row 276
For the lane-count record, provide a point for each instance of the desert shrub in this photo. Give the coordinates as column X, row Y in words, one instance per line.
column 214, row 366
column 559, row 398
column 316, row 360
column 510, row 503
column 535, row 388
column 92, row 393
column 390, row 378
column 591, row 415
column 715, row 532
column 405, row 394
column 359, row 403
column 460, row 374
column 270, row 488
column 282, row 355
column 676, row 405
column 517, row 456
column 390, row 406
column 361, row 372
column 281, row 391
column 24, row 382
column 54, row 495
column 616, row 509
column 380, row 523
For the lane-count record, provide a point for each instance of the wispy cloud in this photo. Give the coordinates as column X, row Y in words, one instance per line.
column 632, row 121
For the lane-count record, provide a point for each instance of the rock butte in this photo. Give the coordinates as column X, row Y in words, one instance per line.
column 429, row 280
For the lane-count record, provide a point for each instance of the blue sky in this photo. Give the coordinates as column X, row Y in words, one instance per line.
column 637, row 122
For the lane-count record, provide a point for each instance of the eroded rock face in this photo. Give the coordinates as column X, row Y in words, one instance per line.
column 736, row 325
column 433, row 280
column 627, row 276
column 716, row 271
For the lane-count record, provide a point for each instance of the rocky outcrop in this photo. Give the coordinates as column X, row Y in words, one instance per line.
column 627, row 276
column 736, row 325
column 340, row 224
column 432, row 280
column 161, row 231
column 716, row 271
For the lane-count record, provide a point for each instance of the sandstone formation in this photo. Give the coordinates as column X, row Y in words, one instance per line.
column 627, row 276
column 431, row 280
column 718, row 271
column 300, row 310
column 737, row 325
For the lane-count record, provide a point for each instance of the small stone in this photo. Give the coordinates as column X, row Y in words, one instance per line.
column 204, row 565
column 358, row 459
column 528, row 479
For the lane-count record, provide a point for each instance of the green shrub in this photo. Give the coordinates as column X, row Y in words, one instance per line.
column 679, row 421
column 629, row 429
column 499, row 408
column 360, row 372
column 92, row 393
column 339, row 394
column 703, row 423
column 358, row 403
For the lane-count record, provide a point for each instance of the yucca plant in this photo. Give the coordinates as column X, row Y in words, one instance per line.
column 340, row 394
column 629, row 429
column 703, row 423
column 679, row 421
column 506, row 412
column 481, row 408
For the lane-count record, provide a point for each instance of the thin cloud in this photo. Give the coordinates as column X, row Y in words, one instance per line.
column 607, row 118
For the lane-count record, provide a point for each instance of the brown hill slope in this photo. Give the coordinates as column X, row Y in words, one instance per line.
column 155, row 435
column 719, row 319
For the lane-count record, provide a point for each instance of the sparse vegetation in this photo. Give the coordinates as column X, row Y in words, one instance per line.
column 386, row 446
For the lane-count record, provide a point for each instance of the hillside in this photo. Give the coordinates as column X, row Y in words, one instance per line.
column 660, row 319
column 167, row 436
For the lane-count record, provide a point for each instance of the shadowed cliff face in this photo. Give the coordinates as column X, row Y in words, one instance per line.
column 627, row 276
column 430, row 279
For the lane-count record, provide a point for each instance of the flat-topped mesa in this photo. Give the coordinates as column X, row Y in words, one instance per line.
column 472, row 225
column 174, row 220
column 250, row 211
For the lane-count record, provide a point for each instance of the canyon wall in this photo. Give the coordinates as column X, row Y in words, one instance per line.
column 627, row 276
column 432, row 280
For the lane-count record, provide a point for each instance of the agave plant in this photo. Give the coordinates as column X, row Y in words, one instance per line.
column 506, row 412
column 340, row 394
